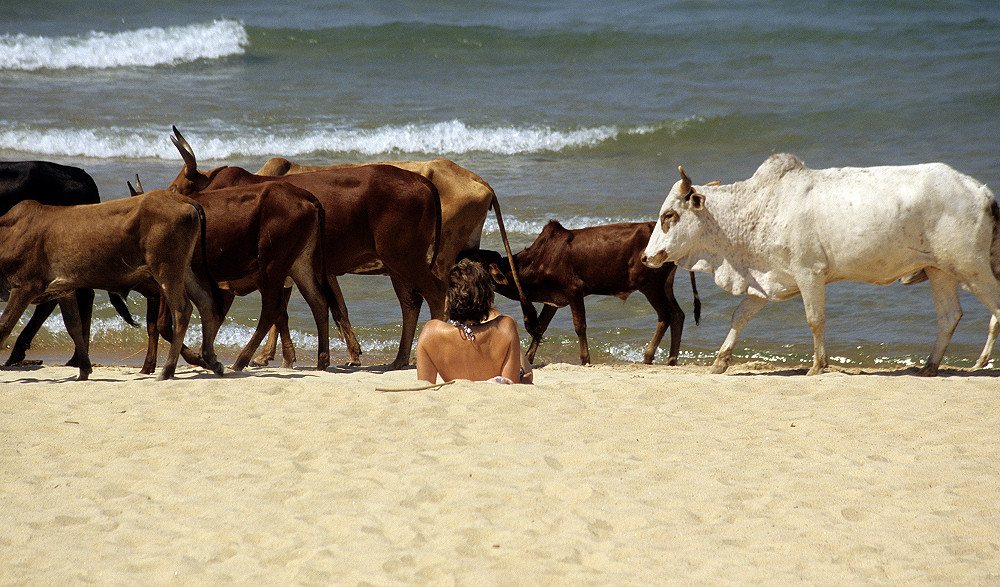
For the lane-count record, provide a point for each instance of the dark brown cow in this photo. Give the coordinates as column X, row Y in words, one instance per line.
column 144, row 243
column 256, row 237
column 563, row 266
column 380, row 219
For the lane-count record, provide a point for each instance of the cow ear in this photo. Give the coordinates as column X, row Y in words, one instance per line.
column 498, row 275
column 697, row 201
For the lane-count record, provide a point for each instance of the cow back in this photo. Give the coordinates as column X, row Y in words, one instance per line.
column 46, row 183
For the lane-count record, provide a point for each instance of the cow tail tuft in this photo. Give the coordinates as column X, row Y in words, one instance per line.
column 697, row 299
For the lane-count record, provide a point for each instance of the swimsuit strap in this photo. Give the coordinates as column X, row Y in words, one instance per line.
column 465, row 329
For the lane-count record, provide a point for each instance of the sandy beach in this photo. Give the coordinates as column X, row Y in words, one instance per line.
column 626, row 474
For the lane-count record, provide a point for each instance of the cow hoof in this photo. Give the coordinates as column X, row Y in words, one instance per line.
column 84, row 375
column 718, row 368
column 218, row 369
column 928, row 371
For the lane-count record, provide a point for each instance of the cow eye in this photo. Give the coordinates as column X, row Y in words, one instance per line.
column 668, row 218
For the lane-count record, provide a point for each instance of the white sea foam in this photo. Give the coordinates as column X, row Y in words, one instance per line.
column 451, row 137
column 142, row 47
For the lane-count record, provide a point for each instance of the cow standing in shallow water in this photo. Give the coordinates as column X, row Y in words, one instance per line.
column 563, row 266
column 144, row 243
column 55, row 185
column 790, row 230
column 380, row 220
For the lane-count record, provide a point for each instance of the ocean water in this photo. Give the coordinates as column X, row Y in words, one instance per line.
column 571, row 110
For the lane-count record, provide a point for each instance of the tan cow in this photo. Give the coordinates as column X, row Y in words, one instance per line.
column 466, row 198
column 143, row 243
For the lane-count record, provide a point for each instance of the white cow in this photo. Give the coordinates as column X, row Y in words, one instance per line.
column 790, row 230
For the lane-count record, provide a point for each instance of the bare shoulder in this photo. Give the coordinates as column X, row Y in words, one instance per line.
column 506, row 324
column 433, row 327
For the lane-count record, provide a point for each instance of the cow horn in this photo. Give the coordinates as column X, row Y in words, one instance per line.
column 138, row 184
column 685, row 181
column 187, row 153
column 131, row 190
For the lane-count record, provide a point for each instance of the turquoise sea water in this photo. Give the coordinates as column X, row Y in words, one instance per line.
column 571, row 111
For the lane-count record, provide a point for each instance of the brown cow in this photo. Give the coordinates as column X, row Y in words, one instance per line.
column 256, row 237
column 563, row 266
column 144, row 243
column 465, row 200
column 379, row 220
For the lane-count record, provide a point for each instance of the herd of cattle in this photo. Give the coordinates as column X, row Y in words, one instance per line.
column 214, row 235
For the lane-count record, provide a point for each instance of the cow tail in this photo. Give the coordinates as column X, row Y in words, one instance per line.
column 118, row 303
column 213, row 285
column 697, row 299
column 320, row 254
column 995, row 244
column 437, row 223
column 530, row 315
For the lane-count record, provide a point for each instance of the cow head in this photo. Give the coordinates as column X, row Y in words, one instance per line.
column 678, row 223
column 190, row 180
column 498, row 267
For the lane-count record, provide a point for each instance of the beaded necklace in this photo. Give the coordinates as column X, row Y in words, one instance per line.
column 465, row 329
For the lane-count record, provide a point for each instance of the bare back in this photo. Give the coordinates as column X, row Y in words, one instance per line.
column 495, row 350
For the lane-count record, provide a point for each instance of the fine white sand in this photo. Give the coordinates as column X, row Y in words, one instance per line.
column 595, row 475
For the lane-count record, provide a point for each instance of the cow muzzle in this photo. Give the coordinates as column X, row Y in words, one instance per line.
column 654, row 261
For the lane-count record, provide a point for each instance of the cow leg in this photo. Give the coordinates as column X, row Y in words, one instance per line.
column 17, row 303
column 338, row 307
column 305, row 280
column 668, row 314
column 271, row 297
column 85, row 305
column 944, row 289
column 74, row 325
column 747, row 309
column 23, row 342
column 984, row 357
column 279, row 329
column 543, row 323
column 409, row 303
column 211, row 318
column 152, row 331
column 813, row 293
column 580, row 325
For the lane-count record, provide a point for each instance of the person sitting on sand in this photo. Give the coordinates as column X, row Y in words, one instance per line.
column 477, row 342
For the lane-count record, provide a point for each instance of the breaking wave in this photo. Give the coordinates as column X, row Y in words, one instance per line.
column 451, row 137
column 138, row 48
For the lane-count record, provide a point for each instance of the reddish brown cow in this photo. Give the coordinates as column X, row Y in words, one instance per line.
column 144, row 243
column 379, row 220
column 256, row 237
column 465, row 200
column 563, row 266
